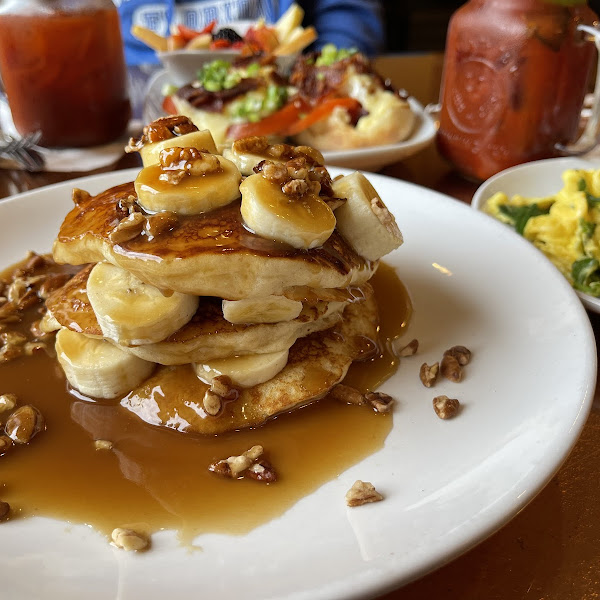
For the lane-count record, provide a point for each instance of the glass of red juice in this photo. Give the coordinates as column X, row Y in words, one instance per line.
column 63, row 69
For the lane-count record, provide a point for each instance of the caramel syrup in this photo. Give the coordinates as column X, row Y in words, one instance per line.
column 159, row 477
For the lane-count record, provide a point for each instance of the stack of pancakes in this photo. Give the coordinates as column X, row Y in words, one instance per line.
column 217, row 292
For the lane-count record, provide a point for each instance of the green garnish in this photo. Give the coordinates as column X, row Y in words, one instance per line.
column 217, row 75
column 331, row 54
column 586, row 276
column 256, row 105
column 587, row 229
column 592, row 200
column 519, row 215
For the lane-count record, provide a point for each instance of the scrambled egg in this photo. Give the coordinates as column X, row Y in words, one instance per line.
column 563, row 226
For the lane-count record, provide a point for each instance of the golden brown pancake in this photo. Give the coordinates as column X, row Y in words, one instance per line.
column 211, row 254
column 172, row 397
column 207, row 336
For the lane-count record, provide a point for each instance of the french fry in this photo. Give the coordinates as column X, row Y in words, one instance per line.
column 200, row 42
column 288, row 21
column 155, row 41
column 301, row 40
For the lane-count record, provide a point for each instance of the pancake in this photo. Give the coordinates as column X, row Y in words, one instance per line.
column 210, row 254
column 207, row 336
column 172, row 397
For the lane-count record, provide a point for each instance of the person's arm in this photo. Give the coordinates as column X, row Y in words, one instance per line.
column 347, row 23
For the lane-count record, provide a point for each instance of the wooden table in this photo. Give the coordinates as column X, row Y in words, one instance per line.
column 551, row 550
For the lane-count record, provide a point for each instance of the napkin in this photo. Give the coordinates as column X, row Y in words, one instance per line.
column 71, row 159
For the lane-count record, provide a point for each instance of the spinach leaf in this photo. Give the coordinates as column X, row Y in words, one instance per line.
column 592, row 200
column 587, row 229
column 586, row 276
column 519, row 215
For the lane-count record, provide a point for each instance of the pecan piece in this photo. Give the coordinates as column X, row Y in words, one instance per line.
column 460, row 353
column 160, row 223
column 7, row 402
column 362, row 492
column 451, row 368
column 429, row 374
column 128, row 228
column 129, row 540
column 262, row 471
column 446, row 408
column 24, row 424
column 409, row 350
column 380, row 402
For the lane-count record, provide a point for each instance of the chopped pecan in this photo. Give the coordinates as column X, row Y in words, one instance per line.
column 128, row 228
column 128, row 204
column 295, row 187
column 361, row 493
column 451, row 368
column 429, row 374
column 262, row 471
column 409, row 350
column 380, row 402
column 11, row 345
column 212, row 403
column 7, row 402
column 4, row 510
column 6, row 444
column 446, row 408
column 33, row 263
column 274, row 172
column 251, row 145
column 24, row 424
column 103, row 445
column 236, row 466
column 129, row 539
column 460, row 353
column 161, row 129
column 160, row 223
column 30, row 348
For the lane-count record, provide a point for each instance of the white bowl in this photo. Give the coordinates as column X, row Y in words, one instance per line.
column 535, row 179
column 183, row 65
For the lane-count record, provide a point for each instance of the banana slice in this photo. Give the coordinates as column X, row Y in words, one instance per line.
column 244, row 371
column 244, row 161
column 98, row 368
column 202, row 140
column 364, row 221
column 268, row 309
column 131, row 312
column 193, row 194
column 305, row 222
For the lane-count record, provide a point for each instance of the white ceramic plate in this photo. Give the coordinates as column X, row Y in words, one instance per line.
column 366, row 159
column 447, row 484
column 536, row 179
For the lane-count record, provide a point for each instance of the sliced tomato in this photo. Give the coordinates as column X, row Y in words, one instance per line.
column 189, row 34
column 276, row 123
column 321, row 112
column 169, row 106
column 220, row 44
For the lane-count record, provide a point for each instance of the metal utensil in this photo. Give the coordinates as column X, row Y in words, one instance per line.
column 22, row 150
